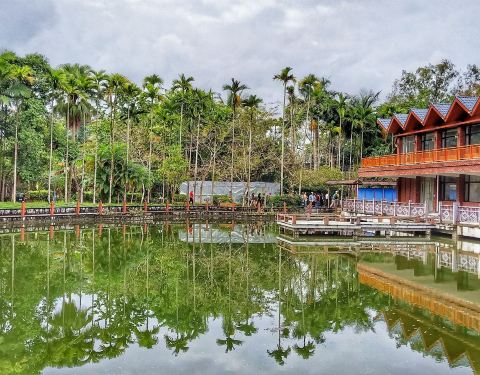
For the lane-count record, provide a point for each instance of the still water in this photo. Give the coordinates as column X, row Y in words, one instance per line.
column 233, row 298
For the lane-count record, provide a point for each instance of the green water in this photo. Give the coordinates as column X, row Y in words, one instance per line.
column 215, row 299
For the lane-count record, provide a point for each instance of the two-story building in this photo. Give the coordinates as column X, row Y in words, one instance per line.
column 437, row 155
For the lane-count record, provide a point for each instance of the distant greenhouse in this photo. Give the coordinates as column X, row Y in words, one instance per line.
column 205, row 190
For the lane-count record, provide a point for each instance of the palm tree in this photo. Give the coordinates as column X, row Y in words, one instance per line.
column 57, row 80
column 21, row 77
column 99, row 81
column 251, row 103
column 115, row 83
column 183, row 84
column 363, row 113
column 284, row 76
column 151, row 87
column 130, row 94
column 341, row 110
column 234, row 98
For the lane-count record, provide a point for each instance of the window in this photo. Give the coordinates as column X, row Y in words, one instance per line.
column 448, row 188
column 408, row 144
column 472, row 134
column 428, row 141
column 449, row 138
column 472, row 188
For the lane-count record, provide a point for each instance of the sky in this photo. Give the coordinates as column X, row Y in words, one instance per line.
column 356, row 44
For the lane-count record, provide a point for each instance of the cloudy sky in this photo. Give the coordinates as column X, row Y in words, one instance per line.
column 355, row 43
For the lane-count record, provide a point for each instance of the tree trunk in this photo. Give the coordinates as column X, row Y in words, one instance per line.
column 249, row 160
column 127, row 156
column 112, row 160
column 15, row 157
column 196, row 161
column 232, row 148
column 50, row 158
column 65, row 197
column 282, row 161
column 82, row 180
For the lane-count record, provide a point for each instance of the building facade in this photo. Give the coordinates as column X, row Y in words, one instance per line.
column 437, row 159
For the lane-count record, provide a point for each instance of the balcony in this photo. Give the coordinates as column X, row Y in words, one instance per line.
column 422, row 157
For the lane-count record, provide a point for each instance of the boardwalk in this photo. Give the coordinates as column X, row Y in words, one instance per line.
column 348, row 225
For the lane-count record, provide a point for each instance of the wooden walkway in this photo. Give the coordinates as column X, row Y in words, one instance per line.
column 348, row 226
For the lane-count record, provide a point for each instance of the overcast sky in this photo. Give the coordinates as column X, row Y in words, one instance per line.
column 356, row 44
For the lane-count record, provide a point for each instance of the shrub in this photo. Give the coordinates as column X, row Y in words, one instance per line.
column 217, row 199
column 180, row 198
column 37, row 195
column 290, row 200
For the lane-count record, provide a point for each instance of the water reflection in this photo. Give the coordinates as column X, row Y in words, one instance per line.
column 227, row 297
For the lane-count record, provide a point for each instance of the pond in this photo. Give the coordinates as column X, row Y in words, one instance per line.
column 232, row 298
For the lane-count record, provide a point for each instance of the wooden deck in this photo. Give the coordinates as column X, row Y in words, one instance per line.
column 348, row 225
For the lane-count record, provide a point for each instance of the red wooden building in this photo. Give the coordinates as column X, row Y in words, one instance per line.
column 437, row 155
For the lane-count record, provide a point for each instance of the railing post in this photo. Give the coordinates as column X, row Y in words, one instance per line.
column 52, row 208
column 23, row 209
column 77, row 208
column 124, row 207
column 354, row 205
column 100, row 208
column 373, row 201
column 381, row 207
column 455, row 213
column 425, row 210
column 206, row 207
column 168, row 207
column 145, row 207
column 440, row 211
column 363, row 205
column 294, row 219
column 187, row 207
column 284, row 207
column 394, row 208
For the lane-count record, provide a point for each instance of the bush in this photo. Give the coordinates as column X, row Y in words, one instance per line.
column 180, row 198
column 37, row 195
column 290, row 200
column 217, row 199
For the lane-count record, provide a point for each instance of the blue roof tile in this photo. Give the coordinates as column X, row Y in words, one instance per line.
column 420, row 112
column 401, row 117
column 384, row 122
column 468, row 101
column 443, row 108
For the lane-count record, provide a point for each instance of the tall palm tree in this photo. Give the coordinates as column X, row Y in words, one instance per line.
column 115, row 83
column 341, row 106
column 364, row 113
column 284, row 76
column 151, row 86
column 251, row 103
column 57, row 80
column 99, row 79
column 130, row 95
column 235, row 90
column 182, row 84
column 21, row 78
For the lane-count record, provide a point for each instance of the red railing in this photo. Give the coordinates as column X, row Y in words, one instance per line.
column 422, row 157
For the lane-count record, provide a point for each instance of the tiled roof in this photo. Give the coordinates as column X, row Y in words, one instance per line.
column 384, row 122
column 401, row 117
column 468, row 101
column 443, row 108
column 420, row 112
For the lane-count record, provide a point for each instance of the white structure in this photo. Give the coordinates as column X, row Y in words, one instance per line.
column 204, row 190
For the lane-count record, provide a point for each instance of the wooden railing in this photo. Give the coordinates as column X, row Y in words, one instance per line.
column 422, row 157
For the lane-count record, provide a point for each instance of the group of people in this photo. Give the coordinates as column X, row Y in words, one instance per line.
column 317, row 200
column 256, row 201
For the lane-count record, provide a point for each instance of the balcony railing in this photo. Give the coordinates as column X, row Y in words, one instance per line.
column 422, row 157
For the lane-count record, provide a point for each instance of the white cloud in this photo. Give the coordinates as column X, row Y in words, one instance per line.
column 356, row 44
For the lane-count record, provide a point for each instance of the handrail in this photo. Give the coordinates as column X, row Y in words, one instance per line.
column 421, row 157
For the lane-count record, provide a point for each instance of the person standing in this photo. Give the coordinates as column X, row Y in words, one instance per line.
column 191, row 196
column 305, row 199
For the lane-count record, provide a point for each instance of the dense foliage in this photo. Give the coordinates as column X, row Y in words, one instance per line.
column 88, row 135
